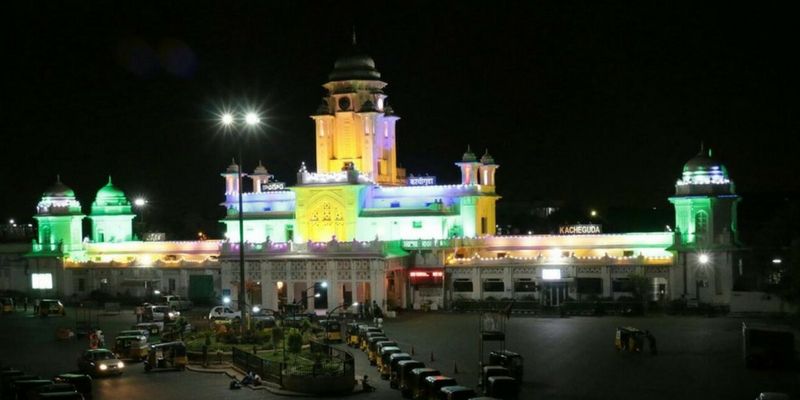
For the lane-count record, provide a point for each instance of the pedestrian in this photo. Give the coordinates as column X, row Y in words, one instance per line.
column 139, row 313
column 651, row 341
column 93, row 340
column 101, row 340
column 25, row 304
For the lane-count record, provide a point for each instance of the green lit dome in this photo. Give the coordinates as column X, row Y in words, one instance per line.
column 59, row 189
column 110, row 200
column 109, row 191
column 469, row 156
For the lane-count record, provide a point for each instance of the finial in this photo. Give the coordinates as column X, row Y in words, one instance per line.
column 233, row 161
column 58, row 178
column 486, row 153
column 468, row 149
column 109, row 179
column 702, row 147
column 354, row 35
column 259, row 163
column 709, row 152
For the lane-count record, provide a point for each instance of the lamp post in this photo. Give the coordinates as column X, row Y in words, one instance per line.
column 229, row 122
column 703, row 259
column 343, row 305
column 140, row 203
column 303, row 297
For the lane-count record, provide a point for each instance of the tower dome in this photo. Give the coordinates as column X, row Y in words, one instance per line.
column 58, row 189
column 111, row 200
column 355, row 65
column 260, row 169
column 469, row 156
column 487, row 158
column 704, row 175
column 233, row 168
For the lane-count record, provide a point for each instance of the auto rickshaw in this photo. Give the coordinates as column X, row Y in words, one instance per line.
column 368, row 332
column 332, row 330
column 509, row 359
column 8, row 304
column 131, row 347
column 402, row 374
column 51, row 307
column 154, row 328
column 392, row 364
column 416, row 379
column 503, row 387
column 382, row 359
column 489, row 371
column 629, row 339
column 82, row 382
column 432, row 385
column 456, row 393
column 170, row 355
column 374, row 350
column 352, row 334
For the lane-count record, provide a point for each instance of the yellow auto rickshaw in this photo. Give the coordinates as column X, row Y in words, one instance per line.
column 332, row 330
column 352, row 334
column 131, row 347
column 629, row 339
column 170, row 355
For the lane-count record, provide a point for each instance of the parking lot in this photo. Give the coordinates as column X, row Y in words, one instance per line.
column 565, row 358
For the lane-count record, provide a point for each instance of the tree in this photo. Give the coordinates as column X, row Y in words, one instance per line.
column 294, row 341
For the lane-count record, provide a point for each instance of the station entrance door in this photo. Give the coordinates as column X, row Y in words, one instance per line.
column 553, row 294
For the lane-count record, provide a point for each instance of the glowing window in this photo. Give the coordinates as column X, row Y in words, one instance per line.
column 42, row 281
column 551, row 274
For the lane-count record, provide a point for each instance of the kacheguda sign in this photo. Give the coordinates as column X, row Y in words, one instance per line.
column 579, row 229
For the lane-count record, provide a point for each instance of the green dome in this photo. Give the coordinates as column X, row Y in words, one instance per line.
column 59, row 189
column 109, row 191
column 110, row 200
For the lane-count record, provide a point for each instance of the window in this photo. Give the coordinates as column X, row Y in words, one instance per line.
column 621, row 285
column 701, row 222
column 462, row 285
column 493, row 285
column 589, row 285
column 524, row 285
column 484, row 228
column 417, row 224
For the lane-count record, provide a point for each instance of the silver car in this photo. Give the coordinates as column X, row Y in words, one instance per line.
column 98, row 362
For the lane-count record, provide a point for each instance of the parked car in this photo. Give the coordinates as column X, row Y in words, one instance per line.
column 161, row 313
column 223, row 312
column 97, row 362
column 176, row 302
column 50, row 307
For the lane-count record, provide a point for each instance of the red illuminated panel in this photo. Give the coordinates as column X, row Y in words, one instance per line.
column 426, row 277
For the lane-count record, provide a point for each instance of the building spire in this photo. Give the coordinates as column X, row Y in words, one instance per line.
column 354, row 36
column 58, row 178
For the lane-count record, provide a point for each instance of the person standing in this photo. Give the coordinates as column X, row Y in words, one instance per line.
column 139, row 312
column 25, row 304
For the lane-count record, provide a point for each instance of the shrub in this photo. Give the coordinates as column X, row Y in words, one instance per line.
column 294, row 341
column 277, row 336
column 305, row 325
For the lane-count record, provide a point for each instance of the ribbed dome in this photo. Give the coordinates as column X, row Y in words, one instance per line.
column 260, row 169
column 109, row 191
column 59, row 189
column 469, row 156
column 487, row 158
column 354, row 66
column 233, row 168
column 702, row 162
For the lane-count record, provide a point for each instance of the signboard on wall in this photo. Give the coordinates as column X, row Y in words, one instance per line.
column 42, row 281
column 427, row 277
column 421, row 180
column 587, row 229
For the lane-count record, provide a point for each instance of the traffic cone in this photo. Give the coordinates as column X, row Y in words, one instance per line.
column 432, row 360
column 455, row 367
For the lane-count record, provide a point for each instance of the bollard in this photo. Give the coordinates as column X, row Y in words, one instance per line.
column 455, row 367
column 432, row 360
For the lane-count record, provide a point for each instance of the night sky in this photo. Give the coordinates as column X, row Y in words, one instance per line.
column 597, row 104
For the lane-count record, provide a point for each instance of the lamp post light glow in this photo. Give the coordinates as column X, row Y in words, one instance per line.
column 703, row 259
column 229, row 122
column 226, row 300
column 776, row 261
column 593, row 213
column 139, row 202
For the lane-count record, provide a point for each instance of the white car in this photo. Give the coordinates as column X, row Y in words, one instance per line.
column 223, row 312
column 161, row 314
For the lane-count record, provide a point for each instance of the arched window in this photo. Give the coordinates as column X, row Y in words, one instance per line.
column 701, row 223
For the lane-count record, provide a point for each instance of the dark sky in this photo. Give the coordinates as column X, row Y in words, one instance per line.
column 599, row 104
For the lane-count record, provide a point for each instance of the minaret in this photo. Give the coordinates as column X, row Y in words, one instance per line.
column 231, row 178
column 354, row 123
column 487, row 170
column 706, row 233
column 469, row 168
column 260, row 177
column 59, row 216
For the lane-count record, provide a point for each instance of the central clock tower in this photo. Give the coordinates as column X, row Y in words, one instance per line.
column 354, row 123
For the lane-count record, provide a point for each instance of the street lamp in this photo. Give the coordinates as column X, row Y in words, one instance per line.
column 140, row 203
column 343, row 305
column 703, row 259
column 229, row 122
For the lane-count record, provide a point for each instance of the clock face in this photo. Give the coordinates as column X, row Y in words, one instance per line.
column 344, row 103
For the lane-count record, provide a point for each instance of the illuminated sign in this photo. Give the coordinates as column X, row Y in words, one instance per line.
column 551, row 274
column 426, row 277
column 42, row 281
column 273, row 186
column 421, row 180
column 579, row 229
